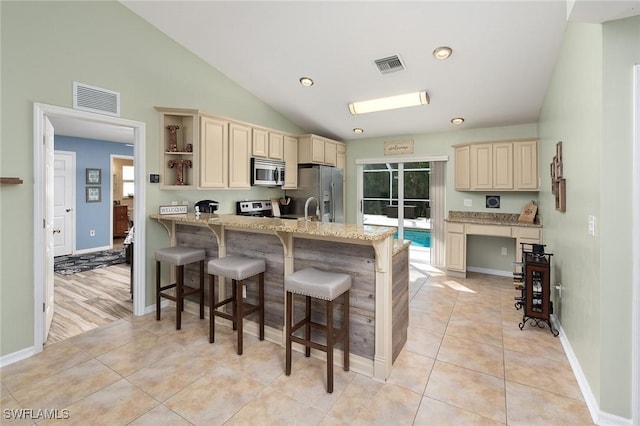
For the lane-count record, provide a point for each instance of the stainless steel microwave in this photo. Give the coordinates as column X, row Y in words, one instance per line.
column 267, row 172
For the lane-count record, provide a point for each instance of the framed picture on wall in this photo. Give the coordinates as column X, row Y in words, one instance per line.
column 94, row 194
column 94, row 176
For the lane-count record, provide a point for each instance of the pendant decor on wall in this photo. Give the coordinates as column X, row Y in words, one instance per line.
column 558, row 183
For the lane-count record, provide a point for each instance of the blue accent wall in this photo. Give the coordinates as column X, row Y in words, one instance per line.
column 93, row 154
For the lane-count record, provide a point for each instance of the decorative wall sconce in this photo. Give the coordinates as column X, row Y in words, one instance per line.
column 558, row 183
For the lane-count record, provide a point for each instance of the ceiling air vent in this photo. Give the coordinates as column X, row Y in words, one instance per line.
column 390, row 64
column 95, row 99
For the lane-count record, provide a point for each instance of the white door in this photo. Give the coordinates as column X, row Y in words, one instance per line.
column 63, row 202
column 49, row 228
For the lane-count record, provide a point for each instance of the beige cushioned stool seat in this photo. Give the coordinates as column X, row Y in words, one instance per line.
column 236, row 267
column 318, row 284
column 180, row 255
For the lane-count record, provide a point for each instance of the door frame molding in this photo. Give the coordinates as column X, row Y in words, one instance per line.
column 635, row 252
column 40, row 111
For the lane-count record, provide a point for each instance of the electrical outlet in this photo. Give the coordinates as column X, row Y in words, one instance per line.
column 503, row 251
column 92, row 232
column 592, row 225
column 559, row 288
column 468, row 202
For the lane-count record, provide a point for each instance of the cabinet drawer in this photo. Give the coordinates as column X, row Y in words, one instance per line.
column 455, row 227
column 498, row 231
column 531, row 233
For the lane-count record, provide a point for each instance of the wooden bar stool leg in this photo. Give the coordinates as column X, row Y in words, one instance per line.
column 330, row 342
column 239, row 314
column 157, row 290
column 345, row 325
column 288, row 323
column 212, row 303
column 234, row 297
column 202, row 289
column 307, row 329
column 179, row 296
column 261, row 303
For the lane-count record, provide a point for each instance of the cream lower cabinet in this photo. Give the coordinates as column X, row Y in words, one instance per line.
column 456, row 254
column 290, row 156
column 214, row 155
column 239, row 155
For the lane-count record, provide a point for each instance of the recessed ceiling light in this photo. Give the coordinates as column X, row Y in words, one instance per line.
column 442, row 52
column 391, row 102
column 358, row 130
column 306, row 81
column 457, row 120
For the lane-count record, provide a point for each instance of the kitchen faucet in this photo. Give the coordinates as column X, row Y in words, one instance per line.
column 306, row 207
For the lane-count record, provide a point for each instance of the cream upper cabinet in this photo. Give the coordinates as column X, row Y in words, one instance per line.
column 290, row 156
column 276, row 145
column 481, row 166
column 525, row 165
column 497, row 166
column 260, row 142
column 239, row 155
column 462, row 178
column 214, row 143
column 503, row 165
column 341, row 156
column 317, row 150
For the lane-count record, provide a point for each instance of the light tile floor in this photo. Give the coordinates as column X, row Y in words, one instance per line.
column 466, row 362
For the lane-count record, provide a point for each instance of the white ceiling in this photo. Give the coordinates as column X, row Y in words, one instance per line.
column 503, row 56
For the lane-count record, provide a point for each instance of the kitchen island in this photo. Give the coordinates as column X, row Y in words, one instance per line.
column 378, row 265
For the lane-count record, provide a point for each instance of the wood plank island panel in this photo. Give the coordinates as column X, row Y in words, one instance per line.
column 359, row 262
column 199, row 237
column 400, row 304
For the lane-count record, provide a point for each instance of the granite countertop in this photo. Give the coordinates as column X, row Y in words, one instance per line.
column 398, row 246
column 329, row 230
column 484, row 218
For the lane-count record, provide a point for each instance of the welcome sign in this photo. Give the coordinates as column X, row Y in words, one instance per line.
column 398, row 147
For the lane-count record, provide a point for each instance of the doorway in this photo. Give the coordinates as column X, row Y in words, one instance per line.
column 43, row 212
column 64, row 189
column 408, row 193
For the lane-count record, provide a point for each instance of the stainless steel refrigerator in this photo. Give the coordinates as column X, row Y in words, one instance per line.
column 326, row 185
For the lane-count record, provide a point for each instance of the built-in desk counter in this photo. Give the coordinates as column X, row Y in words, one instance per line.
column 378, row 265
column 461, row 224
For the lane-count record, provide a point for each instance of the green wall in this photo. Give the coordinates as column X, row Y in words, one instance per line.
column 588, row 107
column 45, row 47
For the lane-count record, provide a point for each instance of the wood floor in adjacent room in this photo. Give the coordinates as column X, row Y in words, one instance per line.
column 87, row 300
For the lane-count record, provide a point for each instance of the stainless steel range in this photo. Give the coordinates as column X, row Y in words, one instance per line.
column 258, row 208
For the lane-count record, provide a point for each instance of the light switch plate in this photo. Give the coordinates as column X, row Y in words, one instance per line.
column 468, row 202
column 592, row 225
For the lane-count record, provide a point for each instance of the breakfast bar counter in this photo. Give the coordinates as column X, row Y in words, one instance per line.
column 378, row 265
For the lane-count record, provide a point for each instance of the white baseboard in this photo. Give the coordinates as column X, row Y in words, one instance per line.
column 17, row 356
column 490, row 271
column 92, row 250
column 599, row 417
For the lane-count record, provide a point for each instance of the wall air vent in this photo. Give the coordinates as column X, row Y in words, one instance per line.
column 95, row 99
column 390, row 64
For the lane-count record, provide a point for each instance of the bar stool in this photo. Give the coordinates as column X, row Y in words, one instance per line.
column 179, row 256
column 238, row 269
column 326, row 286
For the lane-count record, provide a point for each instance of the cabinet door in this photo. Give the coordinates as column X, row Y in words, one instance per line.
column 481, row 166
column 330, row 153
column 214, row 141
column 341, row 156
column 462, row 179
column 317, row 150
column 260, row 143
column 503, row 165
column 290, row 155
column 276, row 146
column 526, row 165
column 456, row 252
column 239, row 155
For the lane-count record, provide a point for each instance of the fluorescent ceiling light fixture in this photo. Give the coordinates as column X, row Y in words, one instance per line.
column 358, row 130
column 442, row 52
column 306, row 81
column 391, row 102
column 457, row 120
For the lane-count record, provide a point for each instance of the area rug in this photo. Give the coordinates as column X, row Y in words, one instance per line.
column 67, row 265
